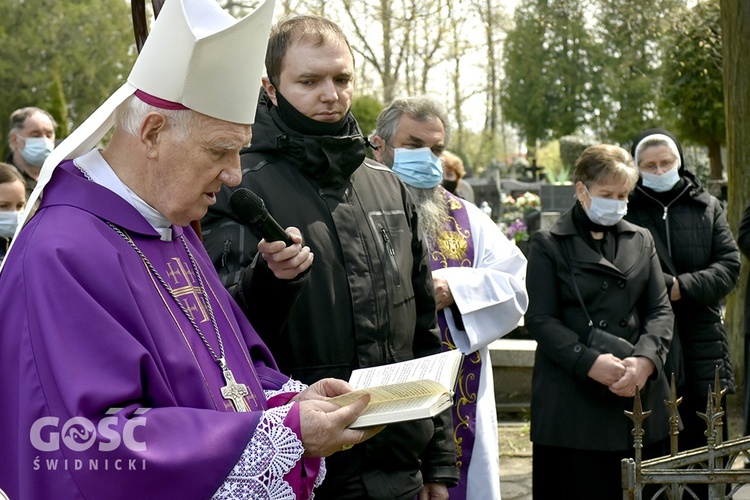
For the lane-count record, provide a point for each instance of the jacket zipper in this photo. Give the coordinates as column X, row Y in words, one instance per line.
column 666, row 213
column 391, row 254
column 225, row 253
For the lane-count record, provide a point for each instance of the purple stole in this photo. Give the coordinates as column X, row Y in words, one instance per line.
column 455, row 248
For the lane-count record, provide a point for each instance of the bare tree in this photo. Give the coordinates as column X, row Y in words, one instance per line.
column 383, row 35
column 457, row 50
column 495, row 23
column 433, row 28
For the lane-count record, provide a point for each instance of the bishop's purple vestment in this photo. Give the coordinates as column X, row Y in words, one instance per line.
column 106, row 388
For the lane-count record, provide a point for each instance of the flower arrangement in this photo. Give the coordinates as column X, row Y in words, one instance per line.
column 517, row 231
column 514, row 211
column 508, row 201
column 528, row 201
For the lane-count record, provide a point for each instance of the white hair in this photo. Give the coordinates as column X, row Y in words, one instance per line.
column 130, row 114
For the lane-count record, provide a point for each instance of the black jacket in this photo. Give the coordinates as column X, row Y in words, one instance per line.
column 626, row 298
column 4, row 245
column 30, row 181
column 367, row 299
column 743, row 241
column 696, row 246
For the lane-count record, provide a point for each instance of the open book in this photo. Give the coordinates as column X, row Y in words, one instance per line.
column 410, row 390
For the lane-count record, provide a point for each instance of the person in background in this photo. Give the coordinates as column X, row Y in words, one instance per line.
column 594, row 269
column 700, row 265
column 128, row 370
column 743, row 241
column 453, row 174
column 31, row 139
column 12, row 202
column 477, row 273
column 367, row 300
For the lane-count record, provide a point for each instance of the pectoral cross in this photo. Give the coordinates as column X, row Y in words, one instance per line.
column 233, row 391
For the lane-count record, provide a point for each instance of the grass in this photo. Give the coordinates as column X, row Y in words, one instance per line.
column 514, row 440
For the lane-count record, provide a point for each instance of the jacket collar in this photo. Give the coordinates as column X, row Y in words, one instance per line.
column 691, row 190
column 329, row 160
column 578, row 251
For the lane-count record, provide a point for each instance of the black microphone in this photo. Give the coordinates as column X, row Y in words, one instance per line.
column 251, row 210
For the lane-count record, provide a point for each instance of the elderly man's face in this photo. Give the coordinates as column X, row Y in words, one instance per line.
column 190, row 173
column 36, row 125
column 317, row 81
column 413, row 134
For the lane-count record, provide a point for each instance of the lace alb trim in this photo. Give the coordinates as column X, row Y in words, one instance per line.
column 290, row 385
column 321, row 475
column 271, row 453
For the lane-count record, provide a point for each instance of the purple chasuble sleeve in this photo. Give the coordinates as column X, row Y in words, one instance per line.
column 108, row 391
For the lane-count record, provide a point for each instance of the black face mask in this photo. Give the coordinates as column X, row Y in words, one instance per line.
column 450, row 186
column 303, row 124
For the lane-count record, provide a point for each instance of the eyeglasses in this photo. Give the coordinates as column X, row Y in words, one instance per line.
column 663, row 166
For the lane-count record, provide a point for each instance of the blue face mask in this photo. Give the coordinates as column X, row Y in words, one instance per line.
column 9, row 223
column 661, row 183
column 418, row 167
column 37, row 150
column 605, row 211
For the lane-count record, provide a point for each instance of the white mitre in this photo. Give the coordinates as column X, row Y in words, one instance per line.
column 197, row 56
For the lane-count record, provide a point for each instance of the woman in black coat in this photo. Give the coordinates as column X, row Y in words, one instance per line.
column 700, row 265
column 743, row 240
column 579, row 393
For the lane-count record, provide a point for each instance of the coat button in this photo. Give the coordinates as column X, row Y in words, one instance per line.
column 603, row 324
column 577, row 348
column 623, row 322
column 605, row 285
column 621, row 284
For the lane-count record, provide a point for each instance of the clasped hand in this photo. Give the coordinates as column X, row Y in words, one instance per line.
column 443, row 295
column 621, row 376
column 324, row 424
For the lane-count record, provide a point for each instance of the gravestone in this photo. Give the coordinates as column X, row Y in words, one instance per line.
column 557, row 197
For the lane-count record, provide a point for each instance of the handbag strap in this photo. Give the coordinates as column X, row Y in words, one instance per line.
column 575, row 284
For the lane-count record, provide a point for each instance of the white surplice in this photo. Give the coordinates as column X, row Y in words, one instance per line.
column 491, row 297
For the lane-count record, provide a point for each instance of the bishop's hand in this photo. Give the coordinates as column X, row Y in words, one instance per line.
column 324, row 423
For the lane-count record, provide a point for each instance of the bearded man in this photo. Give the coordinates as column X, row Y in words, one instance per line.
column 478, row 277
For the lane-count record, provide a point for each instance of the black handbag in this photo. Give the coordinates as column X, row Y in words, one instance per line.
column 598, row 339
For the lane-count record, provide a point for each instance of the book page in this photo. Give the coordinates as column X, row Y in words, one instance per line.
column 398, row 394
column 441, row 368
column 398, row 405
column 401, row 410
